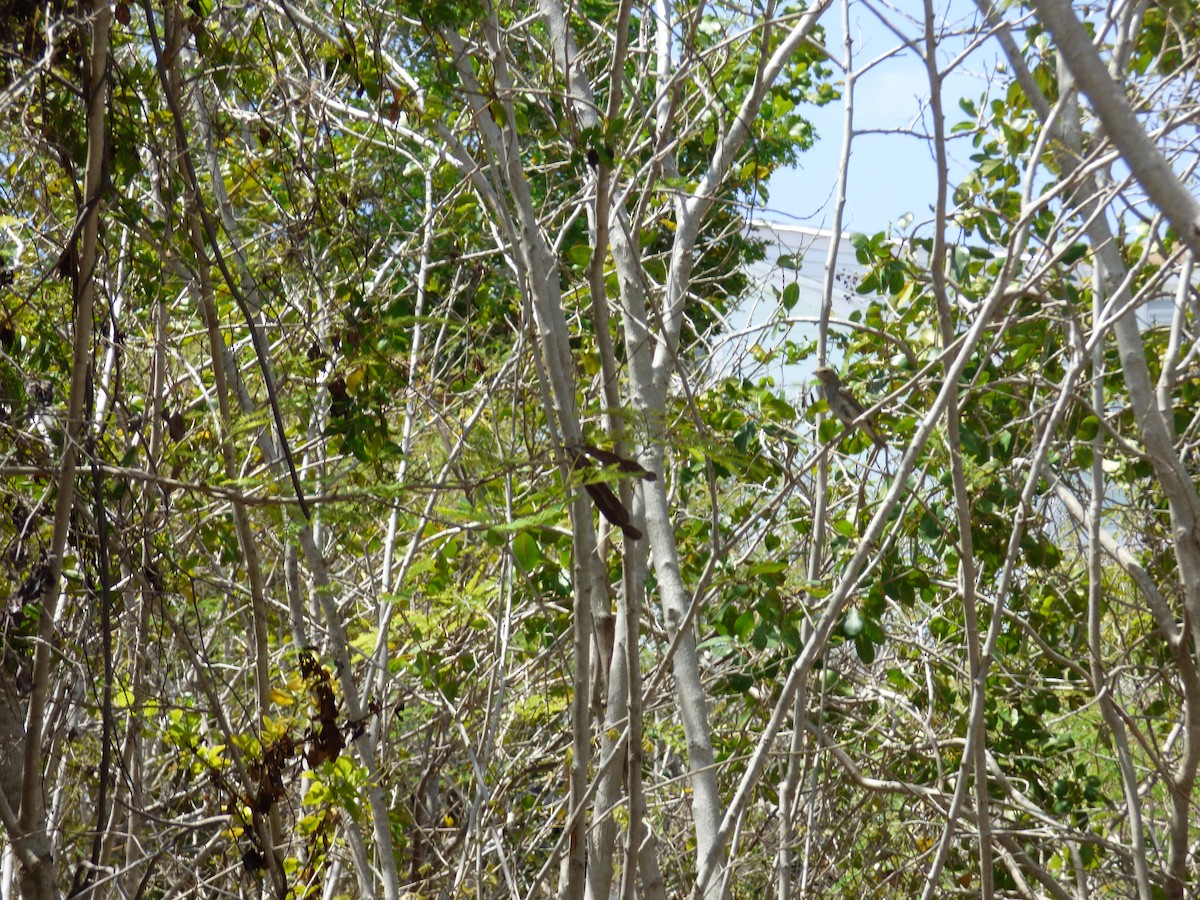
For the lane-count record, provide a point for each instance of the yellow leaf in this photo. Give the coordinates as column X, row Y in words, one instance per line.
column 281, row 697
column 355, row 379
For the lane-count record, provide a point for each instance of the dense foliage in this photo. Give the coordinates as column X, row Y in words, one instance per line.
column 381, row 520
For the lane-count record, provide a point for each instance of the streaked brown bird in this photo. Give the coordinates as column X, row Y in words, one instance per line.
column 845, row 405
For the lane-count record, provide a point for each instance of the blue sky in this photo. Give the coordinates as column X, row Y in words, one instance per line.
column 890, row 174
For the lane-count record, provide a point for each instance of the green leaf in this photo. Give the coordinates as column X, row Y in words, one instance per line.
column 579, row 256
column 931, row 528
column 524, row 523
column 527, row 551
column 744, row 624
column 790, row 295
column 901, row 682
column 865, row 650
column 744, row 437
column 1076, row 252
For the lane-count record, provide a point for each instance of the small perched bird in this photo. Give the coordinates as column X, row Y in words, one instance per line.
column 843, row 404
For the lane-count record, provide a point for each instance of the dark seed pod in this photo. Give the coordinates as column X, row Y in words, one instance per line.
column 176, row 425
column 254, row 861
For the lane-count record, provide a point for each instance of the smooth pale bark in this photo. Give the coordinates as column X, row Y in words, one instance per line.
column 1096, row 583
column 1096, row 609
column 650, row 378
column 1113, row 292
column 1183, row 501
column 229, row 385
column 1184, row 504
column 537, row 269
column 798, row 764
column 650, row 370
column 268, row 828
column 27, row 825
column 1121, row 124
column 1183, row 211
column 841, row 594
column 616, row 638
column 974, row 757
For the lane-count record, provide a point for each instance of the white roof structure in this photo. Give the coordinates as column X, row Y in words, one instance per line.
column 800, row 254
column 804, row 253
column 795, row 254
